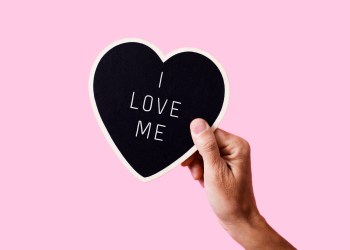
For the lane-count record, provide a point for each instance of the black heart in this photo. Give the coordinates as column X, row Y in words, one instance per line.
column 130, row 75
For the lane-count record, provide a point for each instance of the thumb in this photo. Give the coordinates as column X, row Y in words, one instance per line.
column 205, row 141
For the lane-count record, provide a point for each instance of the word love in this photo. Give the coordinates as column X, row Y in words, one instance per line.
column 161, row 106
column 148, row 104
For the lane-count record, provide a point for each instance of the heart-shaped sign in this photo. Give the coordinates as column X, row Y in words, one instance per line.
column 145, row 101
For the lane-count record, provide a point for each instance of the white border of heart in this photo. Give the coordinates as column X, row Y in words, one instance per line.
column 163, row 58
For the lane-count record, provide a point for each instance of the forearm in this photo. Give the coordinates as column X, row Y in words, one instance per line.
column 256, row 234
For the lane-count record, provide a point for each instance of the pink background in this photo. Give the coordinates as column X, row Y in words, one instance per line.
column 61, row 185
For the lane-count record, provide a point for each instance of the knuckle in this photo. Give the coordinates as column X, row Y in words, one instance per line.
column 208, row 145
column 241, row 146
column 245, row 145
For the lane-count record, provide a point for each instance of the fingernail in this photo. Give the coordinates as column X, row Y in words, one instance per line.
column 198, row 126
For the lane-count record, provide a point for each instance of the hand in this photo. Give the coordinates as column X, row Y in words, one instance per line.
column 222, row 166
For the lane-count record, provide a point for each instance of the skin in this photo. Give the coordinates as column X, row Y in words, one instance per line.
column 222, row 166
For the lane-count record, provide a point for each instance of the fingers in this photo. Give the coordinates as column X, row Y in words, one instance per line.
column 205, row 141
column 195, row 165
column 188, row 161
column 196, row 168
column 235, row 151
column 218, row 153
column 230, row 144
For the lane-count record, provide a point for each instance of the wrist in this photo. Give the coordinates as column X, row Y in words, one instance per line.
column 256, row 233
column 243, row 228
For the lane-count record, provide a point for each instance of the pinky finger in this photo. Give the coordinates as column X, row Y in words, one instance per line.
column 196, row 168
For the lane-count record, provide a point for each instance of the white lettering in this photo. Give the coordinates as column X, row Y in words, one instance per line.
column 158, row 132
column 160, row 111
column 132, row 100
column 150, row 105
column 172, row 108
column 139, row 124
